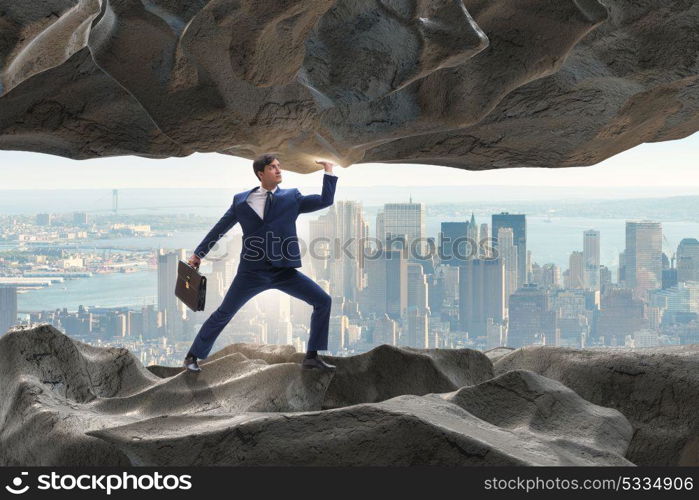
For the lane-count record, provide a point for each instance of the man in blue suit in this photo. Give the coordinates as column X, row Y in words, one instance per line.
column 270, row 256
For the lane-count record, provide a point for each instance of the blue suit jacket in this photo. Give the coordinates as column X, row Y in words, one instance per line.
column 274, row 237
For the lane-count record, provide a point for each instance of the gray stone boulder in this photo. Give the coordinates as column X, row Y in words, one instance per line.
column 54, row 389
column 497, row 352
column 657, row 389
column 47, row 383
column 387, row 371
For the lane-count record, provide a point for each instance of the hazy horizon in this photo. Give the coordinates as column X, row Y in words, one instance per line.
column 653, row 167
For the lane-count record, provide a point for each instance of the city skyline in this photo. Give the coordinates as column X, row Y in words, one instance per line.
column 415, row 301
column 523, row 296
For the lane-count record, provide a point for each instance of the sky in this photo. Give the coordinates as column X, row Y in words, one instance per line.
column 653, row 165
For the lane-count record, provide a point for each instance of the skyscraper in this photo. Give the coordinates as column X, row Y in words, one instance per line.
column 621, row 275
column 278, row 312
column 605, row 277
column 387, row 284
column 643, row 254
column 473, row 237
column 417, row 287
column 216, row 285
column 347, row 263
column 572, row 317
column 518, row 224
column 173, row 309
column 481, row 295
column 396, row 283
column 380, row 231
column 496, row 334
column 8, row 307
column 337, row 333
column 531, row 321
column 435, row 291
column 550, row 276
column 44, row 219
column 508, row 254
column 591, row 259
column 669, row 278
column 79, row 218
column 688, row 260
column 576, row 270
column 620, row 314
column 407, row 219
column 320, row 234
column 683, row 297
column 373, row 297
column 484, row 245
column 416, row 332
column 453, row 246
column 385, row 331
column 152, row 322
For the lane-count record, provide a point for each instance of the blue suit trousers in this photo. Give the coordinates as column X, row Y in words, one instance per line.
column 248, row 283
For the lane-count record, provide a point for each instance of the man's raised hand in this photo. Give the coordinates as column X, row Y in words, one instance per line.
column 327, row 165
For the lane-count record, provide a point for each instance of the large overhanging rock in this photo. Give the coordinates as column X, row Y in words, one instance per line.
column 474, row 84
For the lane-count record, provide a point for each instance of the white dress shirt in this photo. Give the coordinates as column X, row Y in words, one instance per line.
column 258, row 197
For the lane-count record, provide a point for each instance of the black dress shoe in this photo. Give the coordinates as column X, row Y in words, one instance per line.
column 191, row 364
column 317, row 364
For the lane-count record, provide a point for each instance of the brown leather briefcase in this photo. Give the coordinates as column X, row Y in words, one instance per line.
column 190, row 287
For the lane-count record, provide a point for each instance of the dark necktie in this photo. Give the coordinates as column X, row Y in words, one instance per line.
column 268, row 204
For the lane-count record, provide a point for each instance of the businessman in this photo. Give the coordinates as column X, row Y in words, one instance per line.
column 269, row 258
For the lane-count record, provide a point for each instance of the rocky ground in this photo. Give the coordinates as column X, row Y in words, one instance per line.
column 63, row 402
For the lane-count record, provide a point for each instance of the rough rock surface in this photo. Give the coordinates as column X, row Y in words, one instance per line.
column 657, row 389
column 519, row 418
column 54, row 389
column 66, row 403
column 498, row 352
column 474, row 84
column 376, row 375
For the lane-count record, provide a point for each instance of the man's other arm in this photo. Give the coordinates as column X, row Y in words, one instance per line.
column 222, row 226
column 313, row 202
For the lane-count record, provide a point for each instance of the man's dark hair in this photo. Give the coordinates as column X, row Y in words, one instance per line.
column 261, row 162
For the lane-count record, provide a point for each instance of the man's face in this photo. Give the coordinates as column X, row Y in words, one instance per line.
column 272, row 174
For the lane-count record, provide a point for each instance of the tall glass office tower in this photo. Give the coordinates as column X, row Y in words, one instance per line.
column 644, row 263
column 518, row 224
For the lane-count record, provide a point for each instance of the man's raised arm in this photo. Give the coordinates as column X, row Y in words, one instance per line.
column 313, row 202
